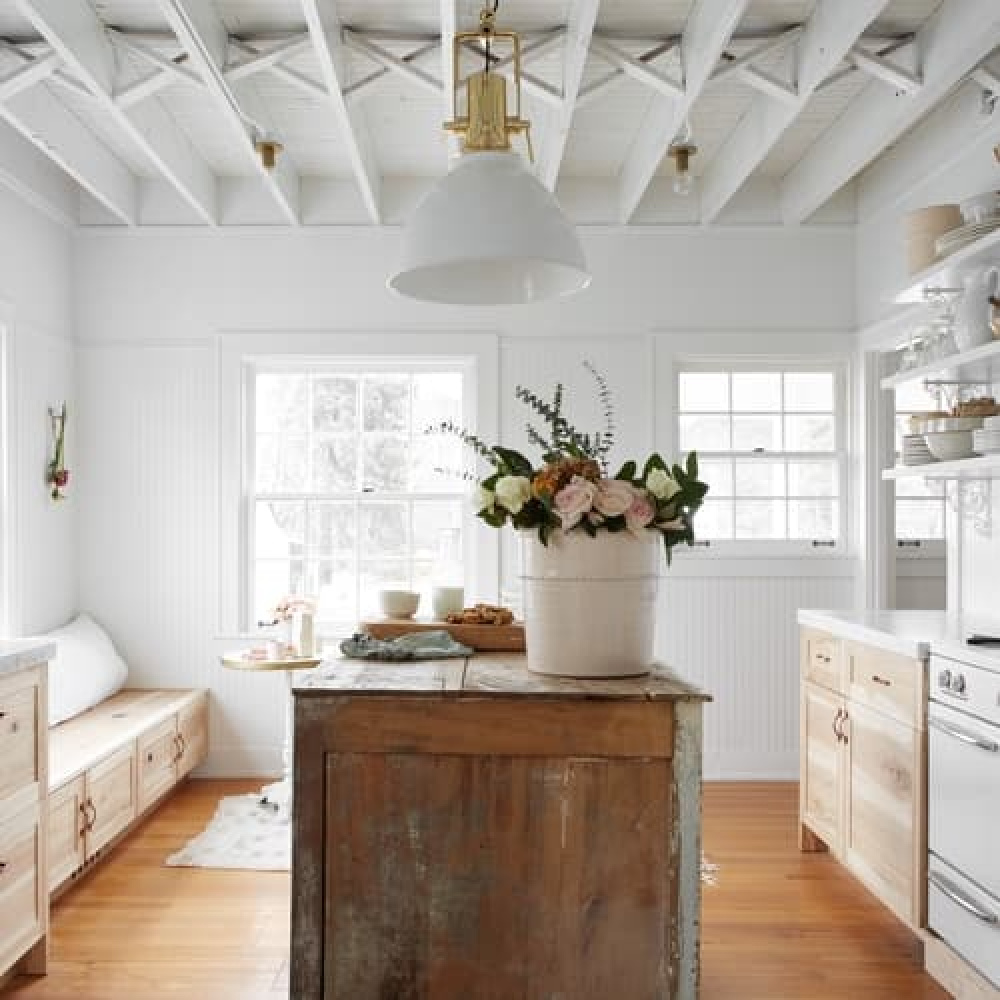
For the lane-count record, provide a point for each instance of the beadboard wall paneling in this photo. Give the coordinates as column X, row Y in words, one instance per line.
column 980, row 555
column 737, row 637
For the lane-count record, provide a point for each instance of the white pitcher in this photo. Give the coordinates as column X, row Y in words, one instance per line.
column 973, row 317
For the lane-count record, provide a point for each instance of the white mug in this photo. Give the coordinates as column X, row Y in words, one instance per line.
column 974, row 311
column 447, row 600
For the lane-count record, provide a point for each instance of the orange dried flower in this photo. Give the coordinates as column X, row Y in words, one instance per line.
column 550, row 479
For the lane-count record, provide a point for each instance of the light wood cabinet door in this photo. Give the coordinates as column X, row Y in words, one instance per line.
column 23, row 901
column 69, row 815
column 821, row 781
column 111, row 793
column 20, row 708
column 159, row 750
column 192, row 728
column 883, row 838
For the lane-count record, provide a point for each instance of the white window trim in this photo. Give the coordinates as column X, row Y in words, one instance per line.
column 776, row 549
column 241, row 353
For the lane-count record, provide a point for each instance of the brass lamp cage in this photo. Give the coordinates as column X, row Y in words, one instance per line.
column 486, row 126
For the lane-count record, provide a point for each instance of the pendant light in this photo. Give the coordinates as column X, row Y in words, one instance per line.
column 489, row 233
column 680, row 151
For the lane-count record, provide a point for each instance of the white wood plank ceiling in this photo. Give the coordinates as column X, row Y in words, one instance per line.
column 151, row 105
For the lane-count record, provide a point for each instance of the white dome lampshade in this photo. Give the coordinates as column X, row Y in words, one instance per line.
column 489, row 234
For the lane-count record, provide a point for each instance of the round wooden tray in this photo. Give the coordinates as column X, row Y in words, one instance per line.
column 237, row 661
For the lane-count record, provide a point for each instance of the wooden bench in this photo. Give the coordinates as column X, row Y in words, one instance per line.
column 111, row 765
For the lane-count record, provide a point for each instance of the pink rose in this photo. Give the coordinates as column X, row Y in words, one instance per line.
column 574, row 500
column 614, row 497
column 640, row 515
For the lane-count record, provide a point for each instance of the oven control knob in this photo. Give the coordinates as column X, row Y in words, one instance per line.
column 944, row 680
column 958, row 684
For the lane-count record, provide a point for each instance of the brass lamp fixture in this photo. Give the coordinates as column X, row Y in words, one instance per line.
column 680, row 151
column 489, row 233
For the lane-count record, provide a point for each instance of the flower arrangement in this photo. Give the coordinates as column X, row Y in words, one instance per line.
column 571, row 489
column 56, row 473
column 286, row 608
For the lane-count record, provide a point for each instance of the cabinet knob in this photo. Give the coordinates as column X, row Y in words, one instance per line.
column 884, row 682
column 149, row 756
column 944, row 679
column 958, row 683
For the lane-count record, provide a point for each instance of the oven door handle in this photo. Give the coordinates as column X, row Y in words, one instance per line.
column 958, row 897
column 964, row 735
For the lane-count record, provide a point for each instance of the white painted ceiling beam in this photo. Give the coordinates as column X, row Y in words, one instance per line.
column 204, row 38
column 959, row 35
column 404, row 69
column 325, row 32
column 826, row 39
column 769, row 85
column 45, row 122
column 986, row 78
column 709, row 26
column 73, row 29
column 579, row 38
column 883, row 69
column 732, row 65
column 637, row 70
column 28, row 75
column 448, row 19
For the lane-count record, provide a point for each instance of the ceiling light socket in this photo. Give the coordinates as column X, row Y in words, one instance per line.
column 267, row 150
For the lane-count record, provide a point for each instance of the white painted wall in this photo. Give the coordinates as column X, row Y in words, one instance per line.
column 153, row 308
column 38, row 536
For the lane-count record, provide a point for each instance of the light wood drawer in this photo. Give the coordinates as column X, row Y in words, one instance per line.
column 18, row 736
column 22, row 918
column 192, row 728
column 69, row 814
column 822, row 659
column 159, row 749
column 889, row 683
column 111, row 788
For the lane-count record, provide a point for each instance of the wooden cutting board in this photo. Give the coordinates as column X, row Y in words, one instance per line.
column 486, row 638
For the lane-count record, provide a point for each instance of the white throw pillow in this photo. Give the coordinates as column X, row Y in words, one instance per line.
column 86, row 669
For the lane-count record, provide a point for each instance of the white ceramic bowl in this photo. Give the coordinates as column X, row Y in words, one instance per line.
column 398, row 603
column 980, row 207
column 953, row 424
column 949, row 446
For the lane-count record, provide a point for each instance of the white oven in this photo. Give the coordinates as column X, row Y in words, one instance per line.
column 963, row 811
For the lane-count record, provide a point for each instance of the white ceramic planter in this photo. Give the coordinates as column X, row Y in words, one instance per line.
column 589, row 603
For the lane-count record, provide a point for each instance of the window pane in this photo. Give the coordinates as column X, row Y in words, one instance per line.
column 915, row 486
column 273, row 580
column 701, row 392
column 816, row 519
column 760, row 519
column 437, row 396
column 438, row 462
column 386, row 400
column 812, row 479
column 704, row 433
column 753, row 432
column 757, row 391
column 437, row 534
column 714, row 520
column 335, row 403
column 809, row 392
column 335, row 464
column 915, row 397
column 384, row 529
column 810, row 433
column 281, row 403
column 334, row 584
column 919, row 519
column 280, row 530
column 384, row 463
column 280, row 464
column 718, row 475
column 760, row 479
column 332, row 529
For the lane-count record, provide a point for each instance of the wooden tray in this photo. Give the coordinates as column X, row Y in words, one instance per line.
column 486, row 638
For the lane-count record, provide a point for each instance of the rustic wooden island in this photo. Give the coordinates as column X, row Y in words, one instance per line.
column 465, row 828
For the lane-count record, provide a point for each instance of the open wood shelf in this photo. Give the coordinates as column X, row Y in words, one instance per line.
column 981, row 364
column 946, row 272
column 980, row 467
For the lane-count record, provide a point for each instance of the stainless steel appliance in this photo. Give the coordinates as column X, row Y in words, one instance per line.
column 963, row 802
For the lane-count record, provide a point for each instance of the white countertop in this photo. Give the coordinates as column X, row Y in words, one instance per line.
column 19, row 654
column 912, row 633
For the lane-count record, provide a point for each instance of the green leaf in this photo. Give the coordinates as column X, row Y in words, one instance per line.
column 627, row 472
column 514, row 460
column 692, row 464
column 615, row 524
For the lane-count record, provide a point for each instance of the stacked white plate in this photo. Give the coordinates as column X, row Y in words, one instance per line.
column 955, row 239
column 987, row 440
column 915, row 450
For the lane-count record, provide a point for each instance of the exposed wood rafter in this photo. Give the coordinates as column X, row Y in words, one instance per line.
column 709, row 27
column 827, row 38
column 206, row 43
column 74, row 31
column 951, row 44
column 325, row 32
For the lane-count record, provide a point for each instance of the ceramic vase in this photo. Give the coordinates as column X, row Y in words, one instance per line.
column 590, row 603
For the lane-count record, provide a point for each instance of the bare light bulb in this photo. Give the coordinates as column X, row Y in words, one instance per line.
column 683, row 183
column 681, row 153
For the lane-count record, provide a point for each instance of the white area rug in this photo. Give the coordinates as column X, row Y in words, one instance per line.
column 242, row 834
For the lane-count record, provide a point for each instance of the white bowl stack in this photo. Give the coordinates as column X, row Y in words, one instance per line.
column 950, row 438
column 987, row 440
column 915, row 450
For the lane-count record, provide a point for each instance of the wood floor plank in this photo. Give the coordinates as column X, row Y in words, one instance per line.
column 779, row 925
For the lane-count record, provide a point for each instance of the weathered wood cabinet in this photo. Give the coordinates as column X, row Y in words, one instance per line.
column 863, row 766
column 468, row 829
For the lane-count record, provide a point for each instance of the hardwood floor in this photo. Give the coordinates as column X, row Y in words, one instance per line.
column 779, row 925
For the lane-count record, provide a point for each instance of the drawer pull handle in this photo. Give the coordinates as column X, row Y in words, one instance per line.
column 183, row 742
column 963, row 736
column 881, row 680
column 838, row 725
column 958, row 897
column 149, row 756
column 823, row 657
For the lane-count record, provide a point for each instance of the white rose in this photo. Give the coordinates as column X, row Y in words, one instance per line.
column 661, row 484
column 613, row 497
column 513, row 492
column 485, row 499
